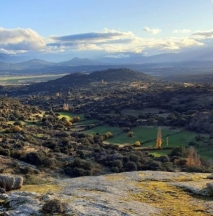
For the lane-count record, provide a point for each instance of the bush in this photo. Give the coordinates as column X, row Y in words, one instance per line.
column 54, row 206
column 49, row 162
column 117, row 163
column 164, row 158
column 168, row 166
column 194, row 169
column 134, row 158
column 79, row 168
column 125, row 159
column 29, row 170
column 34, row 180
column 115, row 169
column 5, row 152
column 130, row 133
column 131, row 166
column 155, row 165
column 137, row 144
column 35, row 158
column 178, row 151
column 108, row 134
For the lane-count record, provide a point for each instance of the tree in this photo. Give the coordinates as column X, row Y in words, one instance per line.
column 108, row 134
column 66, row 107
column 76, row 119
column 193, row 158
column 130, row 133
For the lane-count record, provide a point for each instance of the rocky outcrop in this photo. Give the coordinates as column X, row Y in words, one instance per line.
column 126, row 194
column 20, row 203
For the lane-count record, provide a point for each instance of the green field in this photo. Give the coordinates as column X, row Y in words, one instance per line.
column 103, row 129
column 70, row 115
column 21, row 80
column 147, row 136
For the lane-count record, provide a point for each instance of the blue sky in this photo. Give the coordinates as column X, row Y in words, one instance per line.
column 110, row 28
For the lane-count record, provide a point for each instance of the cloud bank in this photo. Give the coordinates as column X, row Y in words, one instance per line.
column 115, row 44
column 204, row 34
column 20, row 40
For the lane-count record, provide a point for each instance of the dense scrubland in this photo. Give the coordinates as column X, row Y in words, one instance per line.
column 103, row 122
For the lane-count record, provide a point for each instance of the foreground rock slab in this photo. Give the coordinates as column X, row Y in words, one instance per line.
column 145, row 193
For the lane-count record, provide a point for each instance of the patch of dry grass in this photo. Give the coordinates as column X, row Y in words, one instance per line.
column 172, row 200
column 42, row 189
column 115, row 177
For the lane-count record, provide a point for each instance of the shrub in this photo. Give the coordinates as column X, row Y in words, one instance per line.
column 194, row 169
column 125, row 159
column 35, row 158
column 29, row 170
column 54, row 206
column 34, row 180
column 126, row 129
column 117, row 163
column 178, row 151
column 5, row 152
column 49, row 162
column 130, row 133
column 134, row 158
column 115, row 169
column 164, row 158
column 168, row 166
column 79, row 168
column 155, row 165
column 131, row 166
column 108, row 134
column 137, row 143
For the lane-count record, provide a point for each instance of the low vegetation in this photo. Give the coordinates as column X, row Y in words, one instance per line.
column 105, row 122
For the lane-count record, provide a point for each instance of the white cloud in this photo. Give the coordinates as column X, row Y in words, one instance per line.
column 182, row 31
column 20, row 40
column 113, row 41
column 152, row 31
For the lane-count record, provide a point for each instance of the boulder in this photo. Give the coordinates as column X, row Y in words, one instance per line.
column 8, row 183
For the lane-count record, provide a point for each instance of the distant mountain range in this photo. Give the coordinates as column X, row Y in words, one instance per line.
column 38, row 63
column 139, row 63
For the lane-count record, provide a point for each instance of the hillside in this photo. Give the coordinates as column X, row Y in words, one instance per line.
column 129, row 194
column 110, row 75
column 83, row 79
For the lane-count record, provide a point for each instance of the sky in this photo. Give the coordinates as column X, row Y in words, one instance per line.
column 64, row 29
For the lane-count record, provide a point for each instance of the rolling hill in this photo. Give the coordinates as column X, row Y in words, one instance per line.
column 83, row 79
